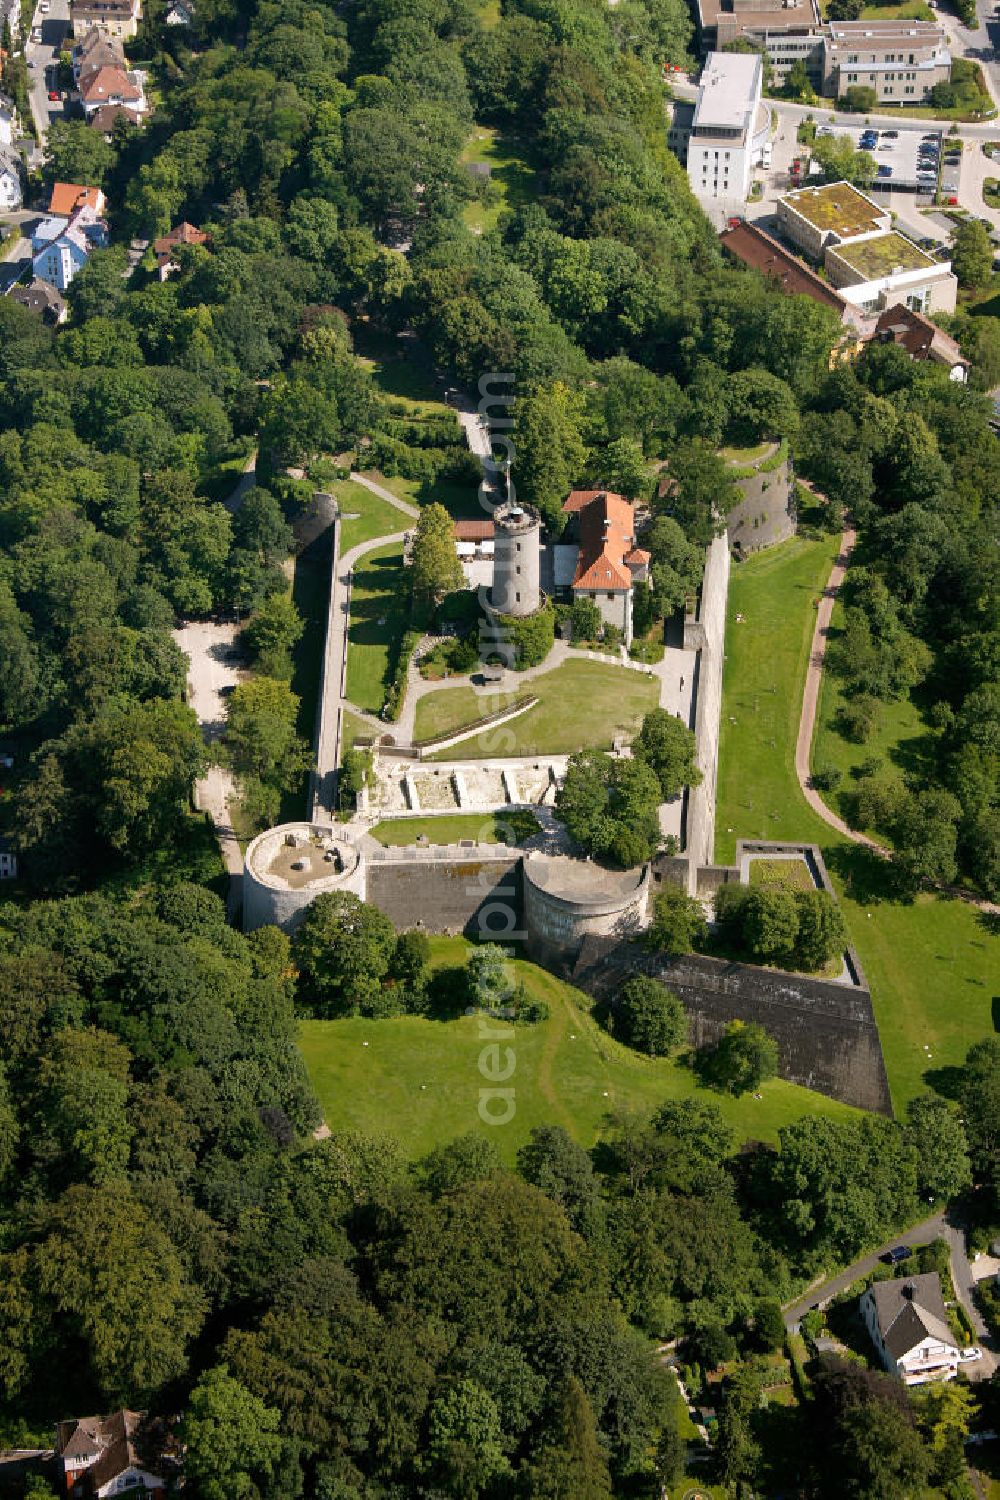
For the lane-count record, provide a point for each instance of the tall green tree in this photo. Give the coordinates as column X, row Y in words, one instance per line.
column 232, row 1440
column 434, row 566
column 549, row 451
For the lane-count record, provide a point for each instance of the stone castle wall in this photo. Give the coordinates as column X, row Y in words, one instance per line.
column 826, row 1032
column 556, row 923
column 465, row 893
column 765, row 515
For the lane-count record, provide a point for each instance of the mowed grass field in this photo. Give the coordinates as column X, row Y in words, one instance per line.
column 419, row 1079
column 581, row 705
column 457, row 708
column 402, row 373
column 932, row 963
column 512, row 180
column 379, row 615
column 367, row 515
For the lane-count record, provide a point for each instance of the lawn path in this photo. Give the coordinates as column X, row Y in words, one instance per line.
column 810, row 696
column 387, row 495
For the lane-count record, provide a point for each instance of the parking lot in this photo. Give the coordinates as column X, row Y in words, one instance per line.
column 906, row 157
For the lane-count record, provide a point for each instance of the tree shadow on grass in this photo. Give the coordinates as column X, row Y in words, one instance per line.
column 869, row 878
column 945, row 1081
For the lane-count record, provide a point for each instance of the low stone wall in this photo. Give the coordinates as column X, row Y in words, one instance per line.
column 826, row 1033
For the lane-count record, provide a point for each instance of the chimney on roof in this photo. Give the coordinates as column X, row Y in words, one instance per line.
column 908, row 1290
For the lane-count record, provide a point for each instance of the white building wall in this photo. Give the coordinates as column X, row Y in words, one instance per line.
column 10, row 190
column 615, row 607
column 922, row 290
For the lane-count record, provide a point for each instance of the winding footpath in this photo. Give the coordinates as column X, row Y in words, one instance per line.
column 807, row 725
column 333, row 699
column 810, row 696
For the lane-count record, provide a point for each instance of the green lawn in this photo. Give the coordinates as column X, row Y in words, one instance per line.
column 352, row 728
column 766, row 654
column 781, row 874
column 746, row 455
column 488, row 828
column 455, row 708
column 911, row 10
column 568, row 1072
column 512, row 182
column 932, row 965
column 403, row 373
column 581, row 704
column 901, row 739
column 367, row 515
column 460, row 500
column 379, row 616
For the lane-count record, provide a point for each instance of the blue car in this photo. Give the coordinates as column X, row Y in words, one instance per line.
column 884, row 172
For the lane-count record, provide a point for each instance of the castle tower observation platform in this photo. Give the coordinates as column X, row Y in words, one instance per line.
column 516, row 560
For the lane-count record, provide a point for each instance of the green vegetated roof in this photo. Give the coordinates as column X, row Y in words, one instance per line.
column 882, row 255
column 837, row 206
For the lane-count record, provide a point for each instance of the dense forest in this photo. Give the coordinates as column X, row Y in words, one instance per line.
column 339, row 1322
column 324, row 158
column 333, row 1320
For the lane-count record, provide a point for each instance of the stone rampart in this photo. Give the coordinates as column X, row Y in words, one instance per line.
column 449, row 890
column 826, row 1033
column 567, row 900
column 765, row 514
column 712, row 631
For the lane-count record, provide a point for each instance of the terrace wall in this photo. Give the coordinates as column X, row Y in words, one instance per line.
column 826, row 1033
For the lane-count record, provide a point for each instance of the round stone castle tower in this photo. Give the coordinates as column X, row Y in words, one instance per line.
column 516, row 559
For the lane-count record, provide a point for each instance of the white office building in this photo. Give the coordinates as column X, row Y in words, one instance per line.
column 729, row 130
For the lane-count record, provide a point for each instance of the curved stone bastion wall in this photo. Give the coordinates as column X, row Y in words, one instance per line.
column 567, row 900
column 287, row 867
column 552, row 901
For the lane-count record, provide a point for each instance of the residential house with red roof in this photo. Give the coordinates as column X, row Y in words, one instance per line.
column 67, row 197
column 165, row 248
column 609, row 563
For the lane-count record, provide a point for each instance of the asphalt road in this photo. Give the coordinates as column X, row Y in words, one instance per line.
column 936, row 1227
column 44, row 55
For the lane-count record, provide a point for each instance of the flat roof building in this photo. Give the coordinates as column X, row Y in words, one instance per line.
column 722, row 21
column 900, row 60
column 869, row 263
column 725, row 136
column 835, row 212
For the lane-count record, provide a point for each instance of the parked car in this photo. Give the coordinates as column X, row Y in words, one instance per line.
column 897, row 1254
column 973, row 1352
column 932, row 135
column 6, row 761
column 54, row 96
column 884, row 172
column 890, row 135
